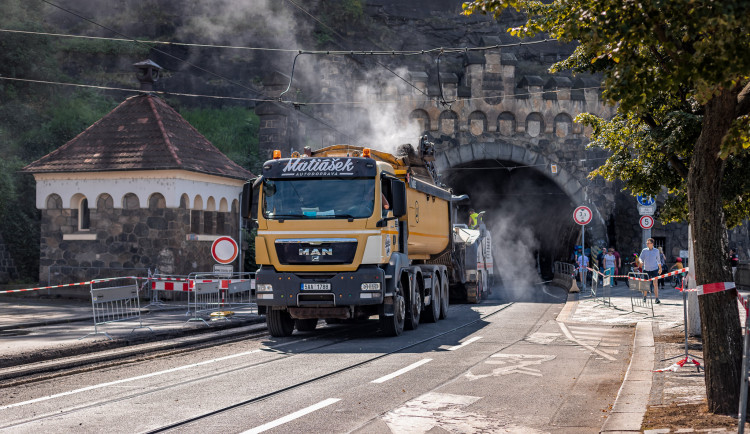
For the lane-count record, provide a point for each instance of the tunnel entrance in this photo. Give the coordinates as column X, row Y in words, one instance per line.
column 527, row 213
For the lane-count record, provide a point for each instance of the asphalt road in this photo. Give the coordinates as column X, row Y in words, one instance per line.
column 503, row 365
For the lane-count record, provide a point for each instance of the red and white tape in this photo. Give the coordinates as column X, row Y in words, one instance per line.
column 710, row 288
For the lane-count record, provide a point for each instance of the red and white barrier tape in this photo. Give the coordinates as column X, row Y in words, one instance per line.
column 675, row 366
column 167, row 285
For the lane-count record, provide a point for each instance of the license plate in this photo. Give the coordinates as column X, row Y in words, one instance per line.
column 316, row 286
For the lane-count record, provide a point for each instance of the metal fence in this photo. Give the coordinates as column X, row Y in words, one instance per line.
column 640, row 291
column 115, row 300
column 218, row 292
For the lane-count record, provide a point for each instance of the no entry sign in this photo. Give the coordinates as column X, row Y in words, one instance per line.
column 646, row 222
column 224, row 250
column 582, row 215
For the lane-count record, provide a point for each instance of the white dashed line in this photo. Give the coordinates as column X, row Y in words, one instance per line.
column 291, row 417
column 463, row 344
column 401, row 371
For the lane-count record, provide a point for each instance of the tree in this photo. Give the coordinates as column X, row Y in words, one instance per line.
column 678, row 70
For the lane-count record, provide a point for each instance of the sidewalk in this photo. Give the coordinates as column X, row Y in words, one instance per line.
column 660, row 402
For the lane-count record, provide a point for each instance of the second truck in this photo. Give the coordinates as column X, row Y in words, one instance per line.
column 347, row 232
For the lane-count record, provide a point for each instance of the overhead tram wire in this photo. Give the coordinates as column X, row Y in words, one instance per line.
column 288, row 50
column 264, row 99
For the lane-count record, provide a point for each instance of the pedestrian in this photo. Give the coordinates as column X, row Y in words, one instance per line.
column 663, row 260
column 583, row 263
column 609, row 264
column 651, row 263
column 618, row 263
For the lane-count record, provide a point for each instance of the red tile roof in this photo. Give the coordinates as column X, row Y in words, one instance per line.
column 142, row 133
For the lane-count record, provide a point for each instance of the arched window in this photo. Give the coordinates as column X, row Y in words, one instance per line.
column 223, row 205
column 448, row 122
column 477, row 123
column 157, row 201
column 54, row 201
column 506, row 124
column 104, row 202
column 130, row 201
column 184, row 201
column 563, row 125
column 534, row 124
column 211, row 204
column 421, row 119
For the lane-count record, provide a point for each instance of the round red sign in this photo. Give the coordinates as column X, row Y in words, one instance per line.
column 646, row 222
column 224, row 250
column 582, row 215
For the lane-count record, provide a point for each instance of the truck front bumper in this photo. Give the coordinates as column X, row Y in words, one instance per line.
column 342, row 289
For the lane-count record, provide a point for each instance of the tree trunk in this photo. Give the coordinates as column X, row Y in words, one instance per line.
column 720, row 324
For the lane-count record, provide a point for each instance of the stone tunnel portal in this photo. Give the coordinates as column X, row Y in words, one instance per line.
column 528, row 214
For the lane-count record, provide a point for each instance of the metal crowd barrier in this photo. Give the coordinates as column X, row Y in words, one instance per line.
column 564, row 273
column 218, row 292
column 637, row 287
column 168, row 284
column 115, row 300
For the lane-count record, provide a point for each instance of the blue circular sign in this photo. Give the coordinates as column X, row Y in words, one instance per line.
column 645, row 200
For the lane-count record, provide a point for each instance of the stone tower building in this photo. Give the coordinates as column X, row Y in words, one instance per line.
column 139, row 189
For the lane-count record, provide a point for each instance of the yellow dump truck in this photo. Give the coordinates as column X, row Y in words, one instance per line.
column 348, row 232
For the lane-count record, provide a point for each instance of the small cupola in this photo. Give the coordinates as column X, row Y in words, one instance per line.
column 148, row 74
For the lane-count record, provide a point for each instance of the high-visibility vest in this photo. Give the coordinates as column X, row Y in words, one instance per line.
column 473, row 220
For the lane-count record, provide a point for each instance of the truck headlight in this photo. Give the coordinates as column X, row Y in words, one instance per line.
column 264, row 287
column 371, row 286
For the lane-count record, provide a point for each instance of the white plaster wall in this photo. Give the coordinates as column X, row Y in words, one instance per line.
column 171, row 184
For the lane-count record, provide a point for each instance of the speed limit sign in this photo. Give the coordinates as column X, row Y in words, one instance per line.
column 646, row 222
column 582, row 215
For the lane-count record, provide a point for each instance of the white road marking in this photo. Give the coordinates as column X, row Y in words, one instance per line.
column 513, row 364
column 446, row 411
column 463, row 344
column 291, row 417
column 401, row 371
column 127, row 380
column 588, row 347
column 542, row 338
column 546, row 291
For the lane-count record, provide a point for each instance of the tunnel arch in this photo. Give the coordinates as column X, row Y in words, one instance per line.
column 517, row 163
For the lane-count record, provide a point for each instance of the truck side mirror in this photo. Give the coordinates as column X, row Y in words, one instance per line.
column 398, row 189
column 247, row 199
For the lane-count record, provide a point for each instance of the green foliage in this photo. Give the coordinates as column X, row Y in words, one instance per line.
column 662, row 62
column 233, row 130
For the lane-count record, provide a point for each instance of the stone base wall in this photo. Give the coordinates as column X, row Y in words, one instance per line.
column 128, row 241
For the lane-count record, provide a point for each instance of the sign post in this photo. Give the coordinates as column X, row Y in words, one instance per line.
column 583, row 215
column 646, row 208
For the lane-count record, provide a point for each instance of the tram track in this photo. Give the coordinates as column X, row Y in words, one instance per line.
column 340, row 335
column 297, row 385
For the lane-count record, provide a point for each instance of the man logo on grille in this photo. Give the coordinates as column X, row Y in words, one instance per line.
column 316, row 252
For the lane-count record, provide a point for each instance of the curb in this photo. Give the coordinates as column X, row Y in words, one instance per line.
column 632, row 399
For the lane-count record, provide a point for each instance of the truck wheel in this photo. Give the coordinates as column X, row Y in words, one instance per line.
column 306, row 325
column 444, row 300
column 394, row 325
column 415, row 311
column 279, row 323
column 433, row 313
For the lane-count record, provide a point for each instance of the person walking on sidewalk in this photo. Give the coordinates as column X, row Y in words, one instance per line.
column 618, row 264
column 583, row 263
column 651, row 263
column 663, row 260
column 609, row 265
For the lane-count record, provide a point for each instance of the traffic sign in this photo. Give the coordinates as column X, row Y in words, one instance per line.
column 646, row 210
column 646, row 222
column 582, row 215
column 645, row 200
column 224, row 250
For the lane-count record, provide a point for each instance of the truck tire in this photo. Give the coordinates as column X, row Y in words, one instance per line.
column 414, row 312
column 279, row 323
column 394, row 325
column 433, row 313
column 444, row 299
column 306, row 325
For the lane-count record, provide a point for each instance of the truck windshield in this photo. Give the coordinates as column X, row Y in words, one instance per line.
column 318, row 198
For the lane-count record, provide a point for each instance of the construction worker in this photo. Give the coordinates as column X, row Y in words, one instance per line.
column 473, row 219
